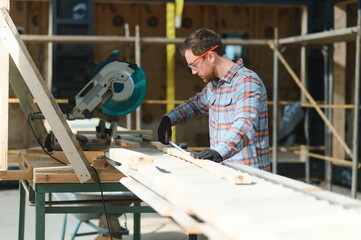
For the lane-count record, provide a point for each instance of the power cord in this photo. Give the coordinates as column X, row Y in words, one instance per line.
column 97, row 181
column 37, row 138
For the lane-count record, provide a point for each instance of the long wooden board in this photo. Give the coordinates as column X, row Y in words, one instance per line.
column 217, row 169
column 269, row 208
column 4, row 96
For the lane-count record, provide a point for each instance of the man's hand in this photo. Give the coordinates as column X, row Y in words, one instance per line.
column 210, row 154
column 164, row 130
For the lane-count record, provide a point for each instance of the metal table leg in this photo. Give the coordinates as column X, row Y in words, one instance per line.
column 40, row 215
column 192, row 236
column 136, row 235
column 21, row 211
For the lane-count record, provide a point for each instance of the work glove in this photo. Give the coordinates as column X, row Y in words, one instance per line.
column 210, row 154
column 165, row 130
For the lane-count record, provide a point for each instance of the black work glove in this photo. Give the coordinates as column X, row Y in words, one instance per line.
column 164, row 130
column 210, row 154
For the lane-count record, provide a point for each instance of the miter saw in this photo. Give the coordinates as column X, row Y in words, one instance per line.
column 116, row 88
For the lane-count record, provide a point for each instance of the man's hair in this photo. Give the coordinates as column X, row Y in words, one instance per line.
column 201, row 41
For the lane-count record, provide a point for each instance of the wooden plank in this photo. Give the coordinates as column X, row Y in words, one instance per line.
column 239, row 211
column 16, row 175
column 339, row 76
column 217, row 169
column 161, row 206
column 4, row 94
column 166, row 209
column 325, row 37
column 186, row 197
column 129, row 144
column 67, row 175
column 129, row 158
column 46, row 101
column 146, row 134
column 101, row 164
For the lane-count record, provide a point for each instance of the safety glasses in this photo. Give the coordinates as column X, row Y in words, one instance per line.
column 193, row 64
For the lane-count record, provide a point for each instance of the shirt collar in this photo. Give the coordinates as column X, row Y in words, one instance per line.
column 232, row 71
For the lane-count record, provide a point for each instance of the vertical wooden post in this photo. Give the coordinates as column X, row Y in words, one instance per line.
column 339, row 59
column 4, row 96
column 304, row 30
column 355, row 125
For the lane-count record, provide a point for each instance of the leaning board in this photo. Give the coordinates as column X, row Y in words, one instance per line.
column 202, row 202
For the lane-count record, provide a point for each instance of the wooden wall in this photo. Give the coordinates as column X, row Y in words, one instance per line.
column 109, row 19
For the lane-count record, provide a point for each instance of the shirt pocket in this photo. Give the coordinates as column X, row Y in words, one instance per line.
column 222, row 110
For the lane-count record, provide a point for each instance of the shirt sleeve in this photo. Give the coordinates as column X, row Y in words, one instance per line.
column 243, row 129
column 194, row 106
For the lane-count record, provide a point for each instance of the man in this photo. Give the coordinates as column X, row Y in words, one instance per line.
column 235, row 99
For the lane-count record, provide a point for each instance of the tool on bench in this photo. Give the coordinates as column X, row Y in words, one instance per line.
column 179, row 148
column 116, row 88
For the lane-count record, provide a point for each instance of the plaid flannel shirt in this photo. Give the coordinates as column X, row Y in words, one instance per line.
column 238, row 119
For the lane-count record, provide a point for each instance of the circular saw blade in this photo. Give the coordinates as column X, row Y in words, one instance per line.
column 122, row 108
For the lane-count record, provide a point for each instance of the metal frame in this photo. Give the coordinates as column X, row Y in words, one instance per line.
column 38, row 191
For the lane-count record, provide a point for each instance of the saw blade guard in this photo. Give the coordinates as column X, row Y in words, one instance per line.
column 128, row 95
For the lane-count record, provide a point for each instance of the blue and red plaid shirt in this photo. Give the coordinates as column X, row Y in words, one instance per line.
column 238, row 119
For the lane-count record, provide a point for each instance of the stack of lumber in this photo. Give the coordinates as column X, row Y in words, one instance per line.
column 202, row 199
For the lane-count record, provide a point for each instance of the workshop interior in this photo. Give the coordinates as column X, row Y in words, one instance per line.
column 84, row 85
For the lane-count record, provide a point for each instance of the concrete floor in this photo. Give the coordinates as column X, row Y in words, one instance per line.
column 153, row 226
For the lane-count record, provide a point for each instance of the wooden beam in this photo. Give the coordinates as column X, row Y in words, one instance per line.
column 339, row 76
column 85, row 39
column 13, row 175
column 326, row 37
column 4, row 95
column 46, row 102
column 66, row 174
column 129, row 158
column 229, row 174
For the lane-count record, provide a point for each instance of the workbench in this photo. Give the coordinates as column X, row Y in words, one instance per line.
column 51, row 177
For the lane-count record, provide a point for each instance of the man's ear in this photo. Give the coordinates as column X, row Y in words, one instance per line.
column 212, row 56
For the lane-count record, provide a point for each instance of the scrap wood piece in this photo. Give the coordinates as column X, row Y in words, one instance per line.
column 101, row 163
column 217, row 169
column 129, row 158
column 128, row 144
